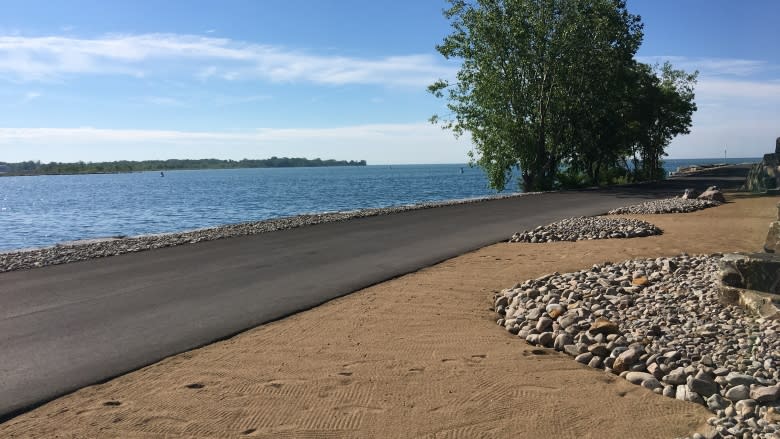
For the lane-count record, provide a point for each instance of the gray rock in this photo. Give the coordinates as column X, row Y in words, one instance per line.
column 595, row 363
column 738, row 393
column 571, row 350
column 735, row 379
column 764, row 394
column 543, row 324
column 684, row 394
column 676, row 377
column 712, row 195
column 715, row 402
column 546, row 339
column 705, row 388
column 584, row 358
column 598, row 349
column 562, row 340
column 638, row 377
column 567, row 320
column 534, row 314
column 652, row 384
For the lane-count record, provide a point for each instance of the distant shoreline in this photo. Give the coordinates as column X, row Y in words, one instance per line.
column 31, row 168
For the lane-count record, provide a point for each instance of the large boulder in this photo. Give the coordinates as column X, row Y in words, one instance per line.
column 752, row 271
column 690, row 194
column 713, row 194
column 752, row 281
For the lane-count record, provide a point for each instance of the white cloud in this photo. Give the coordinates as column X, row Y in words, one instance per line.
column 163, row 100
column 46, row 58
column 30, row 96
column 222, row 100
column 378, row 144
column 712, row 88
column 738, row 107
column 711, row 66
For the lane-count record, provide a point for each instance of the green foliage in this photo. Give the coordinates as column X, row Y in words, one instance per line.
column 548, row 82
column 663, row 109
column 38, row 168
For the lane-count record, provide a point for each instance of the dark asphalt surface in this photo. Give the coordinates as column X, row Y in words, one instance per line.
column 67, row 326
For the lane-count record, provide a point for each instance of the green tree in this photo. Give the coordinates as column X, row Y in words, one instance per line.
column 530, row 68
column 664, row 108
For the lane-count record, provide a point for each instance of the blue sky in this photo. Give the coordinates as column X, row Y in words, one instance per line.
column 344, row 79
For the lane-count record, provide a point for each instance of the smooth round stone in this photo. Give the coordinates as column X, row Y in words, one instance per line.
column 584, row 358
column 545, row 339
column 562, row 340
column 736, row 379
column 738, row 393
column 557, row 307
column 638, row 377
column 652, row 384
column 595, row 362
column 598, row 349
column 544, row 324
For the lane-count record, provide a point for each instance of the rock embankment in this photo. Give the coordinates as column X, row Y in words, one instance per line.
column 659, row 324
column 590, row 227
column 666, row 205
column 80, row 251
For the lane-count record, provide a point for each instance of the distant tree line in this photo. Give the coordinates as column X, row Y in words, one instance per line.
column 552, row 89
column 54, row 168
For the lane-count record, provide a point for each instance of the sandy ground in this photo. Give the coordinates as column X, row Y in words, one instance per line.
column 417, row 356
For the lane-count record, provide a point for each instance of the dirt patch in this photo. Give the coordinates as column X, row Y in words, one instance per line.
column 417, row 356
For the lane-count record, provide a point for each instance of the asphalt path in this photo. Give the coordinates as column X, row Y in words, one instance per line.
column 67, row 326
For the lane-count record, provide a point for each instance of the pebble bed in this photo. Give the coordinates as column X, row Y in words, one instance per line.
column 588, row 227
column 666, row 205
column 84, row 250
column 659, row 324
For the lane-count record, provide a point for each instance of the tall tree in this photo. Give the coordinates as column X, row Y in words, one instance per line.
column 530, row 68
column 664, row 108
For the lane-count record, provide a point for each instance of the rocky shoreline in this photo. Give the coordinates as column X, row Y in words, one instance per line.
column 659, row 323
column 91, row 249
column 586, row 228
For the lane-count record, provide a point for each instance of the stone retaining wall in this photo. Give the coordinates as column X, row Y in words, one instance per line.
column 765, row 176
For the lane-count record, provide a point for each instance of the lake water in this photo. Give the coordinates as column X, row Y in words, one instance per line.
column 44, row 210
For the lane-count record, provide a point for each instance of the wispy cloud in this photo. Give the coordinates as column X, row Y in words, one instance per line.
column 712, row 66
column 30, row 96
column 711, row 88
column 54, row 57
column 237, row 100
column 737, row 106
column 163, row 100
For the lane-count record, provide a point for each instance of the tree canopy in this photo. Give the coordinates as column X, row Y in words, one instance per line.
column 551, row 88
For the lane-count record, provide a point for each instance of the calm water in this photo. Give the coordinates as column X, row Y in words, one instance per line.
column 44, row 210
